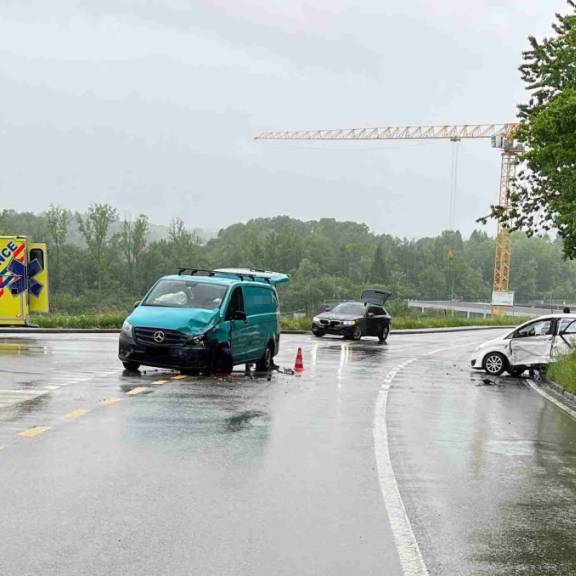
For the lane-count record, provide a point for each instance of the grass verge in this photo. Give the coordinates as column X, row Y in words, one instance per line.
column 114, row 320
column 110, row 320
column 453, row 322
column 563, row 372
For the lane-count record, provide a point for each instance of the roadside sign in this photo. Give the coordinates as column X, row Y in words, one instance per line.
column 503, row 298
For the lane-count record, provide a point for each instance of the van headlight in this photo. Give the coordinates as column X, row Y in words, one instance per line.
column 316, row 320
column 199, row 340
column 127, row 329
column 348, row 322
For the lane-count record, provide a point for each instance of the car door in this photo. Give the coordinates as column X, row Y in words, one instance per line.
column 255, row 298
column 565, row 341
column 532, row 344
column 239, row 329
column 373, row 320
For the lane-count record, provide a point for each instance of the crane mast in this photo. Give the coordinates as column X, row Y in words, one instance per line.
column 502, row 137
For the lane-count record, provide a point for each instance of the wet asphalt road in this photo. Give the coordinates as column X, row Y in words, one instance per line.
column 106, row 473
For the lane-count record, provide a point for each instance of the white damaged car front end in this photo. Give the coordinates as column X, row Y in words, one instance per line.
column 492, row 356
column 532, row 345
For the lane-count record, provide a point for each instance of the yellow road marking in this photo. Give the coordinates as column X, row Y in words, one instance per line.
column 110, row 401
column 179, row 377
column 35, row 431
column 137, row 390
column 76, row 414
column 160, row 381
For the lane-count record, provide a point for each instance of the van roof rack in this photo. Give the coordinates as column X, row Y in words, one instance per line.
column 241, row 275
column 194, row 271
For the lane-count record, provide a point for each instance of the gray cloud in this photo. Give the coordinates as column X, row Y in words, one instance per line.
column 151, row 105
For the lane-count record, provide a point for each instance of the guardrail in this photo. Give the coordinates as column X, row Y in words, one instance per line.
column 472, row 309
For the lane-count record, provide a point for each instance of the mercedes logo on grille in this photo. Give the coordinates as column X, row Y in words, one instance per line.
column 158, row 336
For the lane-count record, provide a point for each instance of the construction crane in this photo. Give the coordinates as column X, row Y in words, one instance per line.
column 502, row 137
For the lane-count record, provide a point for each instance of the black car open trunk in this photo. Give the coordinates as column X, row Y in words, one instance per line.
column 377, row 297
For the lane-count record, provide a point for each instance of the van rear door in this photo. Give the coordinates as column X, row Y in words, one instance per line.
column 38, row 277
column 13, row 281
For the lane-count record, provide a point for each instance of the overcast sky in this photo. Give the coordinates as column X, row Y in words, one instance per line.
column 151, row 105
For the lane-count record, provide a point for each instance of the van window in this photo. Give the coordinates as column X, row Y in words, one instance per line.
column 236, row 302
column 259, row 300
column 37, row 254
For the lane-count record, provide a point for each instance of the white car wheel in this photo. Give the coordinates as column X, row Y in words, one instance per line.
column 494, row 363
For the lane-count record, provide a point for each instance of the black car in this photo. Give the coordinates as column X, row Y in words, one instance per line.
column 355, row 319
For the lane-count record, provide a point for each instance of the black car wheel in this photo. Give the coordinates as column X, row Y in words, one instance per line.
column 131, row 366
column 383, row 333
column 517, row 371
column 223, row 363
column 494, row 363
column 265, row 363
column 318, row 333
column 357, row 333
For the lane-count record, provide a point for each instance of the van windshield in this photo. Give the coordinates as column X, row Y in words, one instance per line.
column 186, row 294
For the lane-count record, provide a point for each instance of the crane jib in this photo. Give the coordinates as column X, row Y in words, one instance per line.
column 502, row 136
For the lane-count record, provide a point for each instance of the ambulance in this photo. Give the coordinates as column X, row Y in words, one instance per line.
column 23, row 280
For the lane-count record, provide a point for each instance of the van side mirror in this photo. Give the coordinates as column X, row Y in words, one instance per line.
column 239, row 315
column 137, row 303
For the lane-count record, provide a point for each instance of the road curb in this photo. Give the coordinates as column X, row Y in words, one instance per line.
column 401, row 332
column 407, row 331
column 560, row 391
column 555, row 394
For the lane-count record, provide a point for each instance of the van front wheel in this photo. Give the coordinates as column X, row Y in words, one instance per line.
column 265, row 363
column 131, row 366
column 223, row 361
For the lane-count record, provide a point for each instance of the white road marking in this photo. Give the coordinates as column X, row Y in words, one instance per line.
column 550, row 398
column 411, row 558
column 408, row 550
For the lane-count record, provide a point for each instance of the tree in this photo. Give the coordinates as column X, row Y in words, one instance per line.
column 95, row 229
column 378, row 269
column 58, row 222
column 184, row 246
column 544, row 193
column 134, row 236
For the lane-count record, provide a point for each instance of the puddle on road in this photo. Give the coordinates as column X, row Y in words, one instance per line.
column 512, row 448
column 244, row 420
column 20, row 347
column 23, row 408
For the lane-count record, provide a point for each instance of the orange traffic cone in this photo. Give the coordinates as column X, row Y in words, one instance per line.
column 299, row 366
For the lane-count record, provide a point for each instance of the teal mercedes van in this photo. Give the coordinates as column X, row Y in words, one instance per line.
column 205, row 320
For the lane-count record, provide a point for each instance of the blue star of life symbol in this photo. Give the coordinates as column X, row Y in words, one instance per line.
column 15, row 277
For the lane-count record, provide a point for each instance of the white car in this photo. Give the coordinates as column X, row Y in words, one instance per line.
column 531, row 345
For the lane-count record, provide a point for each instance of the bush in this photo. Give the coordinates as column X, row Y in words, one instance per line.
column 109, row 320
column 563, row 372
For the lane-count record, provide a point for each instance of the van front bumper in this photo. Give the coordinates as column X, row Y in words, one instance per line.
column 186, row 356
